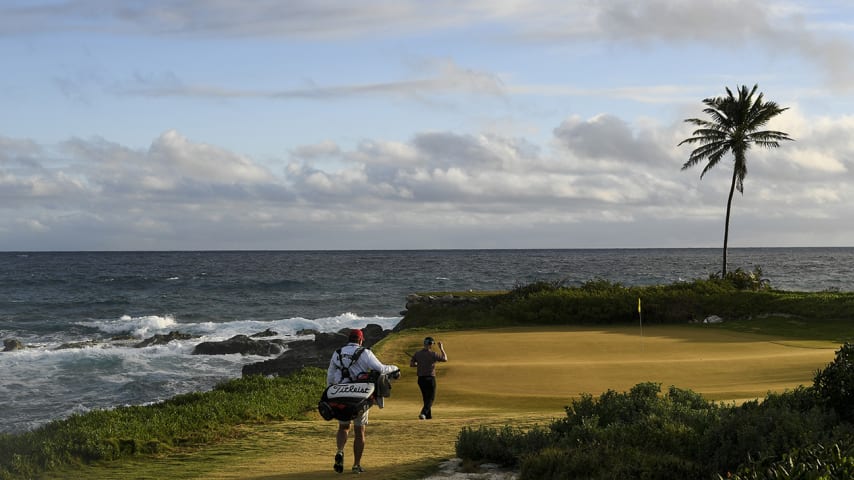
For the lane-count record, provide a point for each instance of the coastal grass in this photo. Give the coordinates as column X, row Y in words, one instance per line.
column 185, row 421
column 495, row 377
column 606, row 303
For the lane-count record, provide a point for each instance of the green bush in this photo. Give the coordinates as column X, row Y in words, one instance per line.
column 816, row 462
column 835, row 384
column 504, row 446
column 744, row 280
column 606, row 462
column 764, row 431
column 641, row 434
column 739, row 296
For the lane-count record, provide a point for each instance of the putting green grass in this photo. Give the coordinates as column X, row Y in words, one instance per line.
column 534, row 369
column 513, row 376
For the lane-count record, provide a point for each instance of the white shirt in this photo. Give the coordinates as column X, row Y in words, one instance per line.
column 367, row 361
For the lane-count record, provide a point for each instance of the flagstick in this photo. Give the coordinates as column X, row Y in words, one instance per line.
column 640, row 315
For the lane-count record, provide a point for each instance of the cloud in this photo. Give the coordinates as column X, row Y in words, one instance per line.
column 776, row 26
column 307, row 19
column 608, row 140
column 434, row 76
column 327, row 148
column 19, row 152
column 176, row 154
column 779, row 28
column 608, row 174
column 171, row 163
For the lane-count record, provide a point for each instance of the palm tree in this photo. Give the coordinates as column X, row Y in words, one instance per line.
column 733, row 128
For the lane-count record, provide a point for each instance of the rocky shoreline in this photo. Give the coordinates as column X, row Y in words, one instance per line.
column 311, row 353
column 291, row 356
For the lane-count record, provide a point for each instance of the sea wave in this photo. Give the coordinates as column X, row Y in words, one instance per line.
column 104, row 373
column 134, row 326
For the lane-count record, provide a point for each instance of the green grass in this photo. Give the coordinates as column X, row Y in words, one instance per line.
column 838, row 330
column 185, row 420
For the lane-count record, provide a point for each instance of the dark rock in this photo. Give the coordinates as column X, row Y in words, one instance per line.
column 12, row 344
column 265, row 333
column 324, row 341
column 70, row 345
column 311, row 353
column 373, row 334
column 241, row 344
column 163, row 339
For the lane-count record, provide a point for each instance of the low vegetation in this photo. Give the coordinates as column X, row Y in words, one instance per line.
column 801, row 434
column 739, row 295
column 183, row 421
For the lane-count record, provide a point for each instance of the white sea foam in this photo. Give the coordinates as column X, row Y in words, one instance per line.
column 145, row 326
column 135, row 326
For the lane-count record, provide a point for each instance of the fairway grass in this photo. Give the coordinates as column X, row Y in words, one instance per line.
column 496, row 377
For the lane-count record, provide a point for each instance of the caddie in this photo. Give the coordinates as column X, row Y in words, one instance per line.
column 345, row 366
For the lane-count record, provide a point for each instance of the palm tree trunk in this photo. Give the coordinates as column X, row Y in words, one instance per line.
column 726, row 225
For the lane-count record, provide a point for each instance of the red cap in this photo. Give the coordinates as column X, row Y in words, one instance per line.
column 356, row 335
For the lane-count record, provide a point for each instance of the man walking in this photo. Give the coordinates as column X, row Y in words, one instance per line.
column 425, row 359
column 345, row 366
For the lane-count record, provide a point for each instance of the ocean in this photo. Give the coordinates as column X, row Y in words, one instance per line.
column 68, row 308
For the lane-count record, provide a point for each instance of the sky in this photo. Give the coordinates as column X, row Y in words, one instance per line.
column 402, row 124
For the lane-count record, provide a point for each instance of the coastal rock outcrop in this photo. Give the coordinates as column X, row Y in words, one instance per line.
column 73, row 345
column 160, row 339
column 241, row 344
column 12, row 344
column 311, row 353
column 265, row 333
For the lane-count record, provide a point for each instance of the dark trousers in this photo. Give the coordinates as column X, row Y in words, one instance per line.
column 428, row 394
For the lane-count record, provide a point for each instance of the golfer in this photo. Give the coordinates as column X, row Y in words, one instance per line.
column 425, row 359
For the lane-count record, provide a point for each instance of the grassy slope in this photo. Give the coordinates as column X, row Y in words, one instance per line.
column 502, row 376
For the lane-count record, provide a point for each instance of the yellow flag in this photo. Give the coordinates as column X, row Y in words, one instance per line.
column 639, row 310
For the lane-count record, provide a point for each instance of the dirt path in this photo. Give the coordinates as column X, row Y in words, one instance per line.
column 517, row 377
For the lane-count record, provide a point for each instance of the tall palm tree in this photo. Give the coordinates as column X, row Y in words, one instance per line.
column 734, row 127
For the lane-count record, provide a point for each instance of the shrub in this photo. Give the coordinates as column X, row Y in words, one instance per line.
column 524, row 290
column 504, row 446
column 816, row 462
column 744, row 280
column 739, row 296
column 764, row 431
column 637, row 434
column 642, row 434
column 835, row 384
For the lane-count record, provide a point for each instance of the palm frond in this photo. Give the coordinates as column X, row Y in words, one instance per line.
column 733, row 126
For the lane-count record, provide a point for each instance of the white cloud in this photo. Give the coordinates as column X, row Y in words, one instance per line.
column 173, row 154
column 324, row 149
column 33, row 225
column 602, row 170
column 818, row 161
